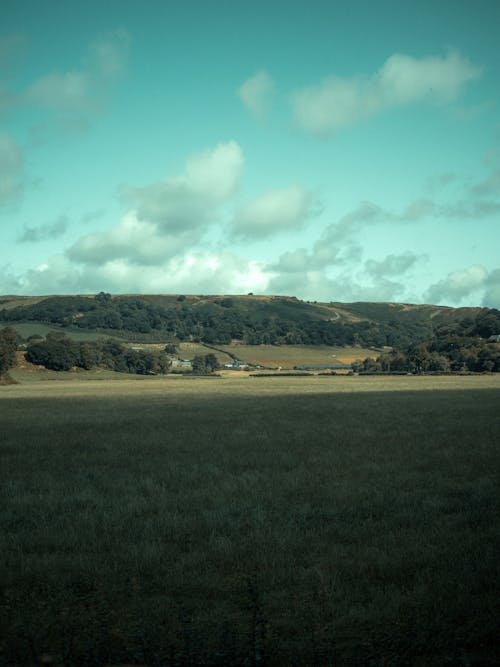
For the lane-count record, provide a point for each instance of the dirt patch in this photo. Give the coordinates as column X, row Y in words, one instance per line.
column 26, row 365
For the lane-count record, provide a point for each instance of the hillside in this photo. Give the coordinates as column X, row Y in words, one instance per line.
column 224, row 319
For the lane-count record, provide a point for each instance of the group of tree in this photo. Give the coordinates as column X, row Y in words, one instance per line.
column 8, row 347
column 279, row 321
column 61, row 353
column 205, row 364
column 217, row 322
column 469, row 345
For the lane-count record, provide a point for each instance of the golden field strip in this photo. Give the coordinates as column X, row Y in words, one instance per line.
column 46, row 383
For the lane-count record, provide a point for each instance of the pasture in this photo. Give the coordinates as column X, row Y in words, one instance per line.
column 287, row 356
column 250, row 521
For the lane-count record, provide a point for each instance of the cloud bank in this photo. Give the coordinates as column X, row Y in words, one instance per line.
column 402, row 80
column 167, row 216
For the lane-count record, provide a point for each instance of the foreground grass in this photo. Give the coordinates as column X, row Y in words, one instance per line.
column 299, row 522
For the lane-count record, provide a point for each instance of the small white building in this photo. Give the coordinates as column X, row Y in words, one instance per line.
column 182, row 363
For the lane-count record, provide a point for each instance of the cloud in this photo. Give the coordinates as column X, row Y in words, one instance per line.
column 338, row 102
column 215, row 173
column 275, row 211
column 293, row 261
column 255, row 93
column 49, row 231
column 90, row 216
column 472, row 210
column 490, row 186
column 367, row 213
column 491, row 297
column 416, row 210
column 108, row 55
column 188, row 202
column 457, row 286
column 322, row 255
column 11, row 169
column 168, row 216
column 134, row 240
column 392, row 265
column 76, row 93
column 198, row 272
column 61, row 90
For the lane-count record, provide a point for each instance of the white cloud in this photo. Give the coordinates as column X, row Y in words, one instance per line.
column 215, row 173
column 457, row 286
column 275, row 211
column 168, row 217
column 11, row 169
column 338, row 102
column 255, row 93
column 404, row 79
column 189, row 201
column 136, row 241
column 197, row 272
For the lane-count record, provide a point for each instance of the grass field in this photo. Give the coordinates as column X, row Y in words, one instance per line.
column 288, row 356
column 251, row 521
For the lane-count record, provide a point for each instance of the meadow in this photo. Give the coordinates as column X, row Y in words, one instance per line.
column 250, row 521
column 287, row 356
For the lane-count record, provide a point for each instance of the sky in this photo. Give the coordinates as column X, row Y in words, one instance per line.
column 325, row 149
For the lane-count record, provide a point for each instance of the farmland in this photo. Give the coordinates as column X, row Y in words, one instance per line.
column 239, row 520
column 290, row 355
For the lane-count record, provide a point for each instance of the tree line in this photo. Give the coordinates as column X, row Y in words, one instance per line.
column 469, row 345
column 215, row 323
column 59, row 352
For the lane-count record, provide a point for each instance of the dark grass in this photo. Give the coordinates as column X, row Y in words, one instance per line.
column 299, row 530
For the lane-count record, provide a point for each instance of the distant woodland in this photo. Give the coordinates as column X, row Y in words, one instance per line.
column 420, row 338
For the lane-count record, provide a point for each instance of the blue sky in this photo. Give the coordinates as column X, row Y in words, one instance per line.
column 333, row 151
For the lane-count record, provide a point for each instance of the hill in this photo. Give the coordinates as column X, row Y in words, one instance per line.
column 223, row 319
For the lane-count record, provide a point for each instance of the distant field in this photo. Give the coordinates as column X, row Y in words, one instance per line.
column 26, row 329
column 288, row 356
column 250, row 521
column 9, row 302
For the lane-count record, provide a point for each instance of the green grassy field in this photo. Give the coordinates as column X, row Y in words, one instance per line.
column 251, row 521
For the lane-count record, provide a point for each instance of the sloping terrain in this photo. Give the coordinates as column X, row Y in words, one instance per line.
column 224, row 319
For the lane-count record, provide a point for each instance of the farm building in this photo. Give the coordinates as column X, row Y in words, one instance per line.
column 182, row 363
column 236, row 366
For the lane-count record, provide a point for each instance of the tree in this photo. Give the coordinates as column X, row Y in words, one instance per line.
column 57, row 352
column 204, row 365
column 8, row 346
column 211, row 363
